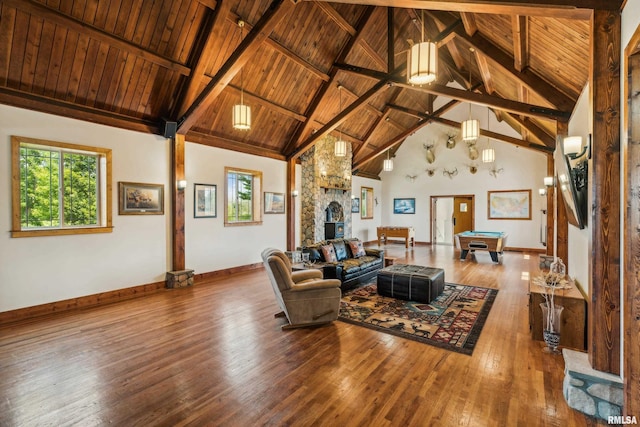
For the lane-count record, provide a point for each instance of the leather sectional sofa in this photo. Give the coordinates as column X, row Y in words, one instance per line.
column 353, row 264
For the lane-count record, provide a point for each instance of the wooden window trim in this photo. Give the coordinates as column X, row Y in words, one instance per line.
column 16, row 230
column 257, row 199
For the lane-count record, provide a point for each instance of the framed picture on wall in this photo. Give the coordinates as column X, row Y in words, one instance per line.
column 273, row 203
column 140, row 199
column 355, row 205
column 205, row 200
column 404, row 206
column 509, row 204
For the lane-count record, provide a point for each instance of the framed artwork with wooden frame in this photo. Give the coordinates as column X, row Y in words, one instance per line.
column 273, row 203
column 140, row 199
column 509, row 204
column 366, row 207
column 205, row 200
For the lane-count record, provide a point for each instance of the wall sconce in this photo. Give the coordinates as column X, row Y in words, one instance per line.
column 294, row 193
column 573, row 148
column 549, row 181
column 542, row 191
column 182, row 184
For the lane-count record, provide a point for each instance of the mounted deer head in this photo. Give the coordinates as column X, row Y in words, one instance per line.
column 495, row 171
column 449, row 173
column 472, row 168
column 451, row 141
column 411, row 178
column 431, row 155
column 473, row 150
column 430, row 172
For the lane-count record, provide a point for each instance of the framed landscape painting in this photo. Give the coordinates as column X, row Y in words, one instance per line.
column 140, row 199
column 273, row 203
column 509, row 204
column 205, row 200
column 404, row 206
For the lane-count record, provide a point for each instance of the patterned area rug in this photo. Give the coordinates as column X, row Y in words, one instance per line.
column 452, row 321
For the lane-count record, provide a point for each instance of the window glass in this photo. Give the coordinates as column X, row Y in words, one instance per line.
column 242, row 205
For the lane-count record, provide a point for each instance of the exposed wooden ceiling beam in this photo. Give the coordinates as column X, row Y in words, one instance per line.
column 48, row 14
column 571, row 9
column 253, row 98
column 469, row 22
column 336, row 17
column 286, row 52
column 337, row 120
column 375, row 56
column 212, row 30
column 224, row 142
column 312, row 108
column 376, row 123
column 520, row 30
column 248, row 47
column 465, row 95
column 485, row 74
column 506, row 63
column 535, row 130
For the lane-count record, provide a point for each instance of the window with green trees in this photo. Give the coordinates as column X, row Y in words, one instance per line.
column 59, row 188
column 242, row 204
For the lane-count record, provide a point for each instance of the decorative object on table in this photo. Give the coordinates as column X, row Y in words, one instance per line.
column 452, row 321
column 551, row 313
column 204, row 200
column 509, row 204
column 140, row 199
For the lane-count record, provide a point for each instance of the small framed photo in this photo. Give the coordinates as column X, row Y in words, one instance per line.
column 404, row 206
column 205, row 200
column 140, row 199
column 355, row 205
column 273, row 203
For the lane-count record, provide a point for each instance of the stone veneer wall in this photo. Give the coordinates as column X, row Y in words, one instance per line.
column 325, row 178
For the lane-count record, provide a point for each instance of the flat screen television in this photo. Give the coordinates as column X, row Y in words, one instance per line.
column 574, row 193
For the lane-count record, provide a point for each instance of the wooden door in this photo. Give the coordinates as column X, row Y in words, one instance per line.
column 462, row 214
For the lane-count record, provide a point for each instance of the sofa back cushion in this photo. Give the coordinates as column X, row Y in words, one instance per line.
column 357, row 249
column 329, row 253
column 315, row 253
column 341, row 250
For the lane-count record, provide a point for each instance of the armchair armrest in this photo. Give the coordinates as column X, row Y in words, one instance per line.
column 316, row 284
column 300, row 275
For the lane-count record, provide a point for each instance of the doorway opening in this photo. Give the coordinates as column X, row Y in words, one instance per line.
column 451, row 215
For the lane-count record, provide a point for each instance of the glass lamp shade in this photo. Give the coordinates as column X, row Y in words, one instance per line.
column 470, row 130
column 242, row 117
column 548, row 181
column 340, row 148
column 387, row 165
column 488, row 155
column 572, row 144
column 422, row 63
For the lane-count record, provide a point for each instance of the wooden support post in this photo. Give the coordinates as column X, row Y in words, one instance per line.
column 291, row 205
column 551, row 193
column 562, row 220
column 177, row 201
column 604, row 262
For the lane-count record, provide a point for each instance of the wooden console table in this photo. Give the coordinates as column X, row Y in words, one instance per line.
column 574, row 316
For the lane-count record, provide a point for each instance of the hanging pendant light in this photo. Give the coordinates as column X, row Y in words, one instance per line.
column 422, row 61
column 387, row 165
column 488, row 154
column 470, row 128
column 340, row 147
column 241, row 112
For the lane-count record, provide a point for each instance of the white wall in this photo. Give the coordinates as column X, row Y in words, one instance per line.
column 522, row 169
column 38, row 270
column 366, row 229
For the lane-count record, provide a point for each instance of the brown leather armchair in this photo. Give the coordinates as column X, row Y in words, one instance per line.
column 304, row 296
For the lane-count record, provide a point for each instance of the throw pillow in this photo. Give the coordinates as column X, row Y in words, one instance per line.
column 341, row 251
column 357, row 249
column 329, row 253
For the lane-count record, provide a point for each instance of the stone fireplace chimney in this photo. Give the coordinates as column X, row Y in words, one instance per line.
column 326, row 191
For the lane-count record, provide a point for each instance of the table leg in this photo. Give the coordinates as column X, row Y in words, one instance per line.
column 494, row 256
column 463, row 254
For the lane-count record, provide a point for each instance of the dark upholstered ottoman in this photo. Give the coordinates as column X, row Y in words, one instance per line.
column 411, row 282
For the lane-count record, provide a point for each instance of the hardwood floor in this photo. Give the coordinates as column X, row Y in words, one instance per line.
column 214, row 354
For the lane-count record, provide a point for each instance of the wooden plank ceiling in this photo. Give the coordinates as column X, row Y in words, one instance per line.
column 137, row 64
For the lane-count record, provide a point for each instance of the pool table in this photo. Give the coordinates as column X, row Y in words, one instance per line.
column 491, row 241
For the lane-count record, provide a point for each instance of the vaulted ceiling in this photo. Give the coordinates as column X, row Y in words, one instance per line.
column 305, row 68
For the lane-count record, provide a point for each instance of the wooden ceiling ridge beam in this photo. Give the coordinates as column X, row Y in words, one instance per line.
column 312, row 108
column 51, row 15
column 202, row 53
column 277, row 10
column 339, row 119
column 465, row 95
column 570, row 9
column 286, row 52
column 402, row 136
column 498, row 57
